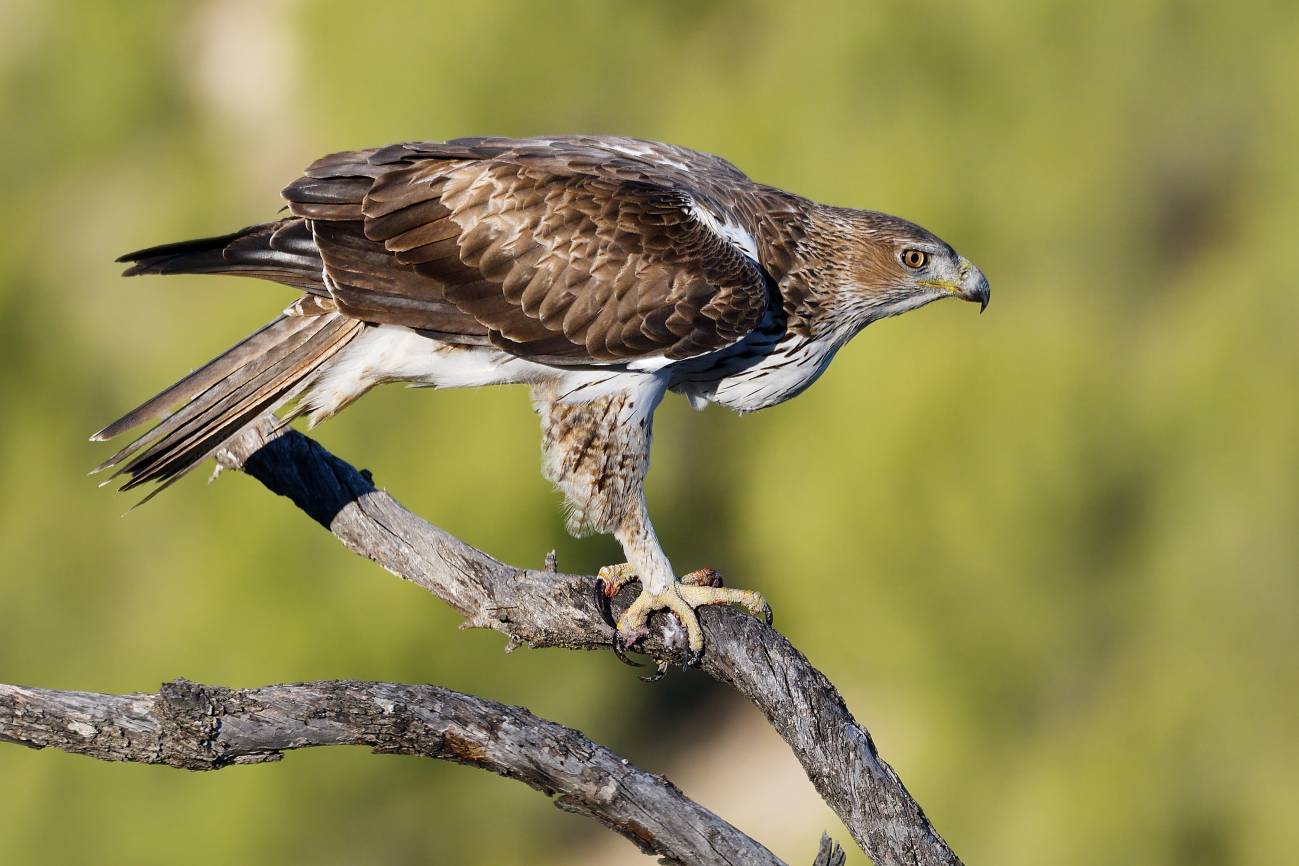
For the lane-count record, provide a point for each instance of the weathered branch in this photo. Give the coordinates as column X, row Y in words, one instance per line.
column 545, row 608
column 197, row 727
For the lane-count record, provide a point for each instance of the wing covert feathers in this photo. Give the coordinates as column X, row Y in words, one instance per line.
column 563, row 251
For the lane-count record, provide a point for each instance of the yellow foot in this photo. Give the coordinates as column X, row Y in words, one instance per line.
column 681, row 598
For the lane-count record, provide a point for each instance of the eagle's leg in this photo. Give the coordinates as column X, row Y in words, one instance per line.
column 596, row 451
column 662, row 591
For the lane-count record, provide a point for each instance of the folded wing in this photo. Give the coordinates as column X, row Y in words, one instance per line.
column 563, row 252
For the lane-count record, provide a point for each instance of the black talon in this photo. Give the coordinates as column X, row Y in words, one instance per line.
column 602, row 603
column 620, row 650
column 660, row 670
column 766, row 614
column 693, row 659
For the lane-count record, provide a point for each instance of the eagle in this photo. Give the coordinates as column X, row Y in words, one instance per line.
column 602, row 272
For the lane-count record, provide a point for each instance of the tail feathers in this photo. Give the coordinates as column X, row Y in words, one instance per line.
column 260, row 374
column 283, row 251
column 195, row 383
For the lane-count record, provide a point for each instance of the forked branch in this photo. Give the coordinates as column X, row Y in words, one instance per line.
column 550, row 609
column 203, row 727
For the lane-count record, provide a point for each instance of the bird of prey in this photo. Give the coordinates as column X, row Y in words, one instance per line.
column 602, row 272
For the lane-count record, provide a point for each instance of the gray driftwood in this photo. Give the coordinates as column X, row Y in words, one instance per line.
column 545, row 608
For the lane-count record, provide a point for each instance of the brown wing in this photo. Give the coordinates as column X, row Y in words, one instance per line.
column 561, row 254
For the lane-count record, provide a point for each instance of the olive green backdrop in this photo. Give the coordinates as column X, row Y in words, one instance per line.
column 1049, row 553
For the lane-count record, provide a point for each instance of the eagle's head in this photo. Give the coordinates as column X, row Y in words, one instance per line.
column 891, row 265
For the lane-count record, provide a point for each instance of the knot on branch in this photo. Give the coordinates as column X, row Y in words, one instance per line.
column 190, row 716
column 189, row 725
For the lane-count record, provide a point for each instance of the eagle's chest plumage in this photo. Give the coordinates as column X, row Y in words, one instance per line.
column 768, row 367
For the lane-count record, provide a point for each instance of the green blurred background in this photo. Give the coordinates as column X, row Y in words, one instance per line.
column 1049, row 554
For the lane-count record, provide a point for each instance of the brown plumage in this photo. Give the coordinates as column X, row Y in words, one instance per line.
column 565, row 256
column 601, row 271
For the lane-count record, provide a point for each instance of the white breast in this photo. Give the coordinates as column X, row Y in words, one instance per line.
column 760, row 371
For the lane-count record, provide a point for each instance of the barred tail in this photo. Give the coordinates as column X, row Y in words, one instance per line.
column 260, row 374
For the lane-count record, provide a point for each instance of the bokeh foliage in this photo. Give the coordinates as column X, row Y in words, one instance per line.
column 1050, row 553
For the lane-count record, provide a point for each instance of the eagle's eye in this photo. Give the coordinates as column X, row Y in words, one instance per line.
column 914, row 258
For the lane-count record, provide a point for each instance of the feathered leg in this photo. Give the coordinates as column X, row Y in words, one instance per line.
column 597, row 452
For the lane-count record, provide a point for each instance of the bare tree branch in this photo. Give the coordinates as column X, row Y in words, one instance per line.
column 198, row 727
column 546, row 608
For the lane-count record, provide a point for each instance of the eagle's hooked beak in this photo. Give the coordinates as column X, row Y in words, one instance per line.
column 973, row 285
